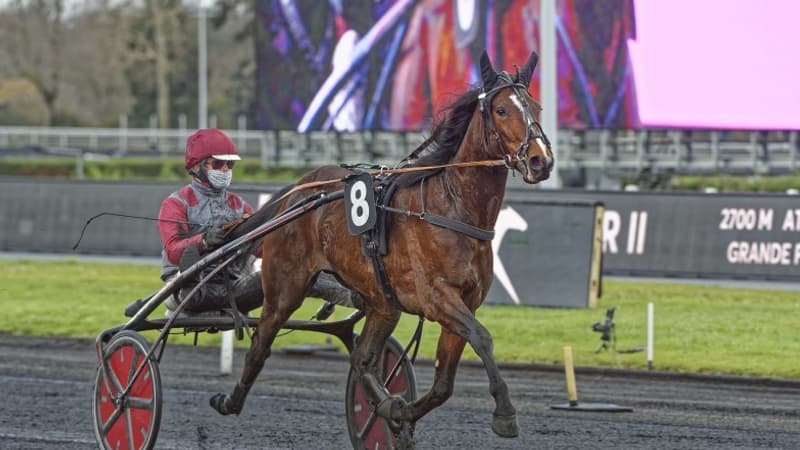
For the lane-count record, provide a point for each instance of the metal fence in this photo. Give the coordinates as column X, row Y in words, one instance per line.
column 611, row 151
column 682, row 151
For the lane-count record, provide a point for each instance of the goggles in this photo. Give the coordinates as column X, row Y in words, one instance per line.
column 218, row 164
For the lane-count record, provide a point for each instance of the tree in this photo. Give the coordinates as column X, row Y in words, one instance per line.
column 91, row 61
column 32, row 35
column 76, row 68
column 95, row 90
column 157, row 40
column 231, row 77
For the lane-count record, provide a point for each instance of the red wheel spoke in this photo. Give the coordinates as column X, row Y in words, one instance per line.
column 112, row 375
column 367, row 425
column 111, row 421
column 140, row 403
column 129, row 427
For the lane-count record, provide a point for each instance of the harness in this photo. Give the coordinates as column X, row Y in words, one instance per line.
column 374, row 241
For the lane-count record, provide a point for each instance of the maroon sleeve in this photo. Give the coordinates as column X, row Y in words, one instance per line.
column 174, row 236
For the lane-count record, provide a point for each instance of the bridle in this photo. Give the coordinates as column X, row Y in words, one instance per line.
column 533, row 129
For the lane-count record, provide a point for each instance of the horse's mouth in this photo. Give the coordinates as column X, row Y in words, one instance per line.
column 533, row 173
column 535, row 176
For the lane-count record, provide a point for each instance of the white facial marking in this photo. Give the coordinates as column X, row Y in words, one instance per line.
column 546, row 154
column 518, row 103
column 515, row 100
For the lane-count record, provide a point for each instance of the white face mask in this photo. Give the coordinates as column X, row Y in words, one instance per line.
column 220, row 179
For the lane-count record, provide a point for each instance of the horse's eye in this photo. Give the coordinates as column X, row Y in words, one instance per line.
column 501, row 111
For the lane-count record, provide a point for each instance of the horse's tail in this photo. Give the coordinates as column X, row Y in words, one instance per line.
column 265, row 213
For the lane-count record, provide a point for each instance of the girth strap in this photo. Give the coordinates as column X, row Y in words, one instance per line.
column 371, row 250
column 375, row 245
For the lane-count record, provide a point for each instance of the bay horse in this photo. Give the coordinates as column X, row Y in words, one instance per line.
column 439, row 273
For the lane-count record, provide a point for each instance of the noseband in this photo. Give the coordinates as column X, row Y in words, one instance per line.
column 533, row 130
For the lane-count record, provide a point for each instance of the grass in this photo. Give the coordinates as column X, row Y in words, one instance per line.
column 699, row 329
column 737, row 183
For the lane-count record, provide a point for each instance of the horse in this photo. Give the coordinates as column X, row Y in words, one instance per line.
column 442, row 273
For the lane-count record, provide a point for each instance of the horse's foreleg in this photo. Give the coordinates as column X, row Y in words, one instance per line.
column 505, row 416
column 260, row 349
column 459, row 325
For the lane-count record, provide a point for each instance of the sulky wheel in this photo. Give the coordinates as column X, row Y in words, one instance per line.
column 366, row 428
column 127, row 421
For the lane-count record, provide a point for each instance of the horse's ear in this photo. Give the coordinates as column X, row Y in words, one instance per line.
column 527, row 70
column 488, row 75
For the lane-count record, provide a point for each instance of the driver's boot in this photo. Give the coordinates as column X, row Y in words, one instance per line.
column 328, row 288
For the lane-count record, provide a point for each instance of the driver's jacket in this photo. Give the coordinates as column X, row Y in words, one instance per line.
column 189, row 212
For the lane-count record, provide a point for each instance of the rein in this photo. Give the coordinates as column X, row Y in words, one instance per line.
column 382, row 171
column 484, row 101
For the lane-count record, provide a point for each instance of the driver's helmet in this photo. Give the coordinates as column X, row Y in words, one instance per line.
column 209, row 143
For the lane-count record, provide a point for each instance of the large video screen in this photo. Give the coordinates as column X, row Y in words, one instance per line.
column 351, row 65
column 717, row 63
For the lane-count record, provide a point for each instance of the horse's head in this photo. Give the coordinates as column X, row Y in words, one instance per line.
column 511, row 121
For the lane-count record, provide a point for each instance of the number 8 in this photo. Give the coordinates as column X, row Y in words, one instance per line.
column 359, row 212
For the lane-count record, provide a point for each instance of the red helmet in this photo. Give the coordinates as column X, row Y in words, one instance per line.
column 209, row 143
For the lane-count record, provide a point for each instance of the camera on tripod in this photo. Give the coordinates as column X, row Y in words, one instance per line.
column 607, row 330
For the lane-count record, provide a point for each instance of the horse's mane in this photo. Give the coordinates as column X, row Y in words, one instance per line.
column 448, row 132
column 265, row 213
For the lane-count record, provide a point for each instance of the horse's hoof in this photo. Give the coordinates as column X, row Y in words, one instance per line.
column 505, row 426
column 221, row 403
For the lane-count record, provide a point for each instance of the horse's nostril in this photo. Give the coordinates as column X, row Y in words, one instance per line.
column 536, row 161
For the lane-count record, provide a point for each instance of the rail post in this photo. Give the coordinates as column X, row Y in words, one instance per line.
column 226, row 353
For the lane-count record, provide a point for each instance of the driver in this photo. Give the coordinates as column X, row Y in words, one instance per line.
column 197, row 215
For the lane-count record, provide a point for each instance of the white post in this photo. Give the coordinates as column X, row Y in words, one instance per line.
column 202, row 71
column 650, row 336
column 549, row 83
column 153, row 136
column 226, row 353
column 241, row 141
column 123, row 134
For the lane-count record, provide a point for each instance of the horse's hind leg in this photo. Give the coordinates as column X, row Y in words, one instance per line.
column 272, row 318
column 367, row 356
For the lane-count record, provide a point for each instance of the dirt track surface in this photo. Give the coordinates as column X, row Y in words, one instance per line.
column 298, row 403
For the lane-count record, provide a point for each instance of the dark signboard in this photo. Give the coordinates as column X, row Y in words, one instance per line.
column 547, row 253
column 698, row 235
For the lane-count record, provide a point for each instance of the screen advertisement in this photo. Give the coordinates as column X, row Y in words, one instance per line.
column 349, row 65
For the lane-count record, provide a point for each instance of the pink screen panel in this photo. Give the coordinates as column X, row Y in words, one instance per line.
column 717, row 63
